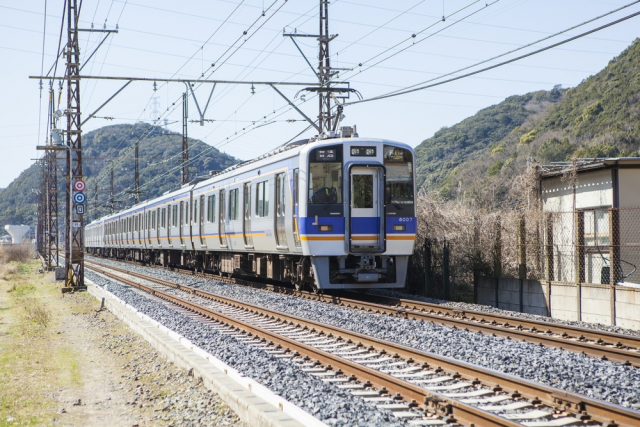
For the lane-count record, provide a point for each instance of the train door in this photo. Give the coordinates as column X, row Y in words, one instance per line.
column 169, row 219
column 221, row 219
column 294, row 211
column 246, row 222
column 365, row 228
column 201, row 221
column 281, row 237
column 158, row 224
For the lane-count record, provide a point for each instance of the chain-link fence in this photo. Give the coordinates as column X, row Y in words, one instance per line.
column 455, row 244
column 600, row 245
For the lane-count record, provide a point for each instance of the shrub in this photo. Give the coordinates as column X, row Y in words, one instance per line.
column 37, row 313
column 554, row 150
column 495, row 168
column 22, row 252
column 600, row 150
column 528, row 137
column 592, row 110
column 497, row 149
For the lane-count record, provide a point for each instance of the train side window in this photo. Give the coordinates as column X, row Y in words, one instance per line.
column 175, row 215
column 164, row 218
column 195, row 211
column 262, row 199
column 186, row 213
column 233, row 204
column 153, row 220
column 211, row 208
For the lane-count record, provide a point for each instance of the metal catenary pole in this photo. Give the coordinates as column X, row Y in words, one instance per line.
column 74, row 253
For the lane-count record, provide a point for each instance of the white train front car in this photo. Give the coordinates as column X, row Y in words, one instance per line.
column 357, row 223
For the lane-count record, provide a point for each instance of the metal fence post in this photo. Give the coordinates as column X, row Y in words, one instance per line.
column 445, row 269
column 579, row 259
column 497, row 256
column 427, row 266
column 522, row 259
column 549, row 257
column 615, row 275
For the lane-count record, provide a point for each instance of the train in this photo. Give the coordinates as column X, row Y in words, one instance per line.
column 330, row 213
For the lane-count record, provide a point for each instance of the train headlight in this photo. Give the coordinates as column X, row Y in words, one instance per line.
column 325, row 227
column 399, row 227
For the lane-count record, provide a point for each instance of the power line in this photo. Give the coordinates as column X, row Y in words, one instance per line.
column 402, row 92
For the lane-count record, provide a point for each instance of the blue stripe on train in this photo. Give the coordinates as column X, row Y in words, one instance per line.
column 307, row 227
column 360, row 225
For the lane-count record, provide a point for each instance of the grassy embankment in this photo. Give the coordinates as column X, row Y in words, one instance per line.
column 34, row 366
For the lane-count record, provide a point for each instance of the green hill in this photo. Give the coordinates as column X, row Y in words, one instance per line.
column 477, row 159
column 158, row 150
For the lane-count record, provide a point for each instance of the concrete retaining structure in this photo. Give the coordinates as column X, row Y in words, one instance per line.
column 568, row 301
column 255, row 404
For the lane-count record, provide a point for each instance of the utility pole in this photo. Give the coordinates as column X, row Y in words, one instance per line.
column 74, row 249
column 52, row 238
column 42, row 209
column 95, row 203
column 185, row 138
column 324, row 69
column 326, row 89
column 136, row 191
column 111, row 201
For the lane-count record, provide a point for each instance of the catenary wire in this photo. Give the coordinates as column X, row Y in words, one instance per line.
column 403, row 92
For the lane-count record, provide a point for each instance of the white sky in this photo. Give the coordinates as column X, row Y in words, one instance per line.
column 163, row 39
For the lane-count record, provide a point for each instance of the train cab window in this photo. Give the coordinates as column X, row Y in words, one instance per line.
column 233, row 204
column 211, row 208
column 399, row 180
column 262, row 199
column 325, row 175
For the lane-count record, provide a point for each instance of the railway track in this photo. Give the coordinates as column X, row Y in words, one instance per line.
column 604, row 345
column 427, row 388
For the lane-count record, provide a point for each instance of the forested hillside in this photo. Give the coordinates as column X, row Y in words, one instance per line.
column 477, row 159
column 160, row 156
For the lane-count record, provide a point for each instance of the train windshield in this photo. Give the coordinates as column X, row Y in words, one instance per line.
column 399, row 182
column 325, row 175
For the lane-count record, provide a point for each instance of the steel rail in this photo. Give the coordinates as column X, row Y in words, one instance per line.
column 603, row 412
column 455, row 411
column 604, row 345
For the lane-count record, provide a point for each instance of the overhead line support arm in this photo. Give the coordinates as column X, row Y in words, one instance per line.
column 105, row 103
column 297, row 109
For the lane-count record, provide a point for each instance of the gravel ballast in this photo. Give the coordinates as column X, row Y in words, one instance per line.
column 493, row 310
column 608, row 381
column 324, row 401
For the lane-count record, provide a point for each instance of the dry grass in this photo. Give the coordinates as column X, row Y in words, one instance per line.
column 37, row 313
column 472, row 233
column 22, row 252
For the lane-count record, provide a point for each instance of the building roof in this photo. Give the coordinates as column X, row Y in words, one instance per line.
column 585, row 165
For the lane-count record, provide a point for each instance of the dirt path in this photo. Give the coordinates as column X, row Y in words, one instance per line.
column 86, row 368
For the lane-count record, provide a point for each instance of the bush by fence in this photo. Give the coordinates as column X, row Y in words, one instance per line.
column 20, row 252
column 456, row 242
